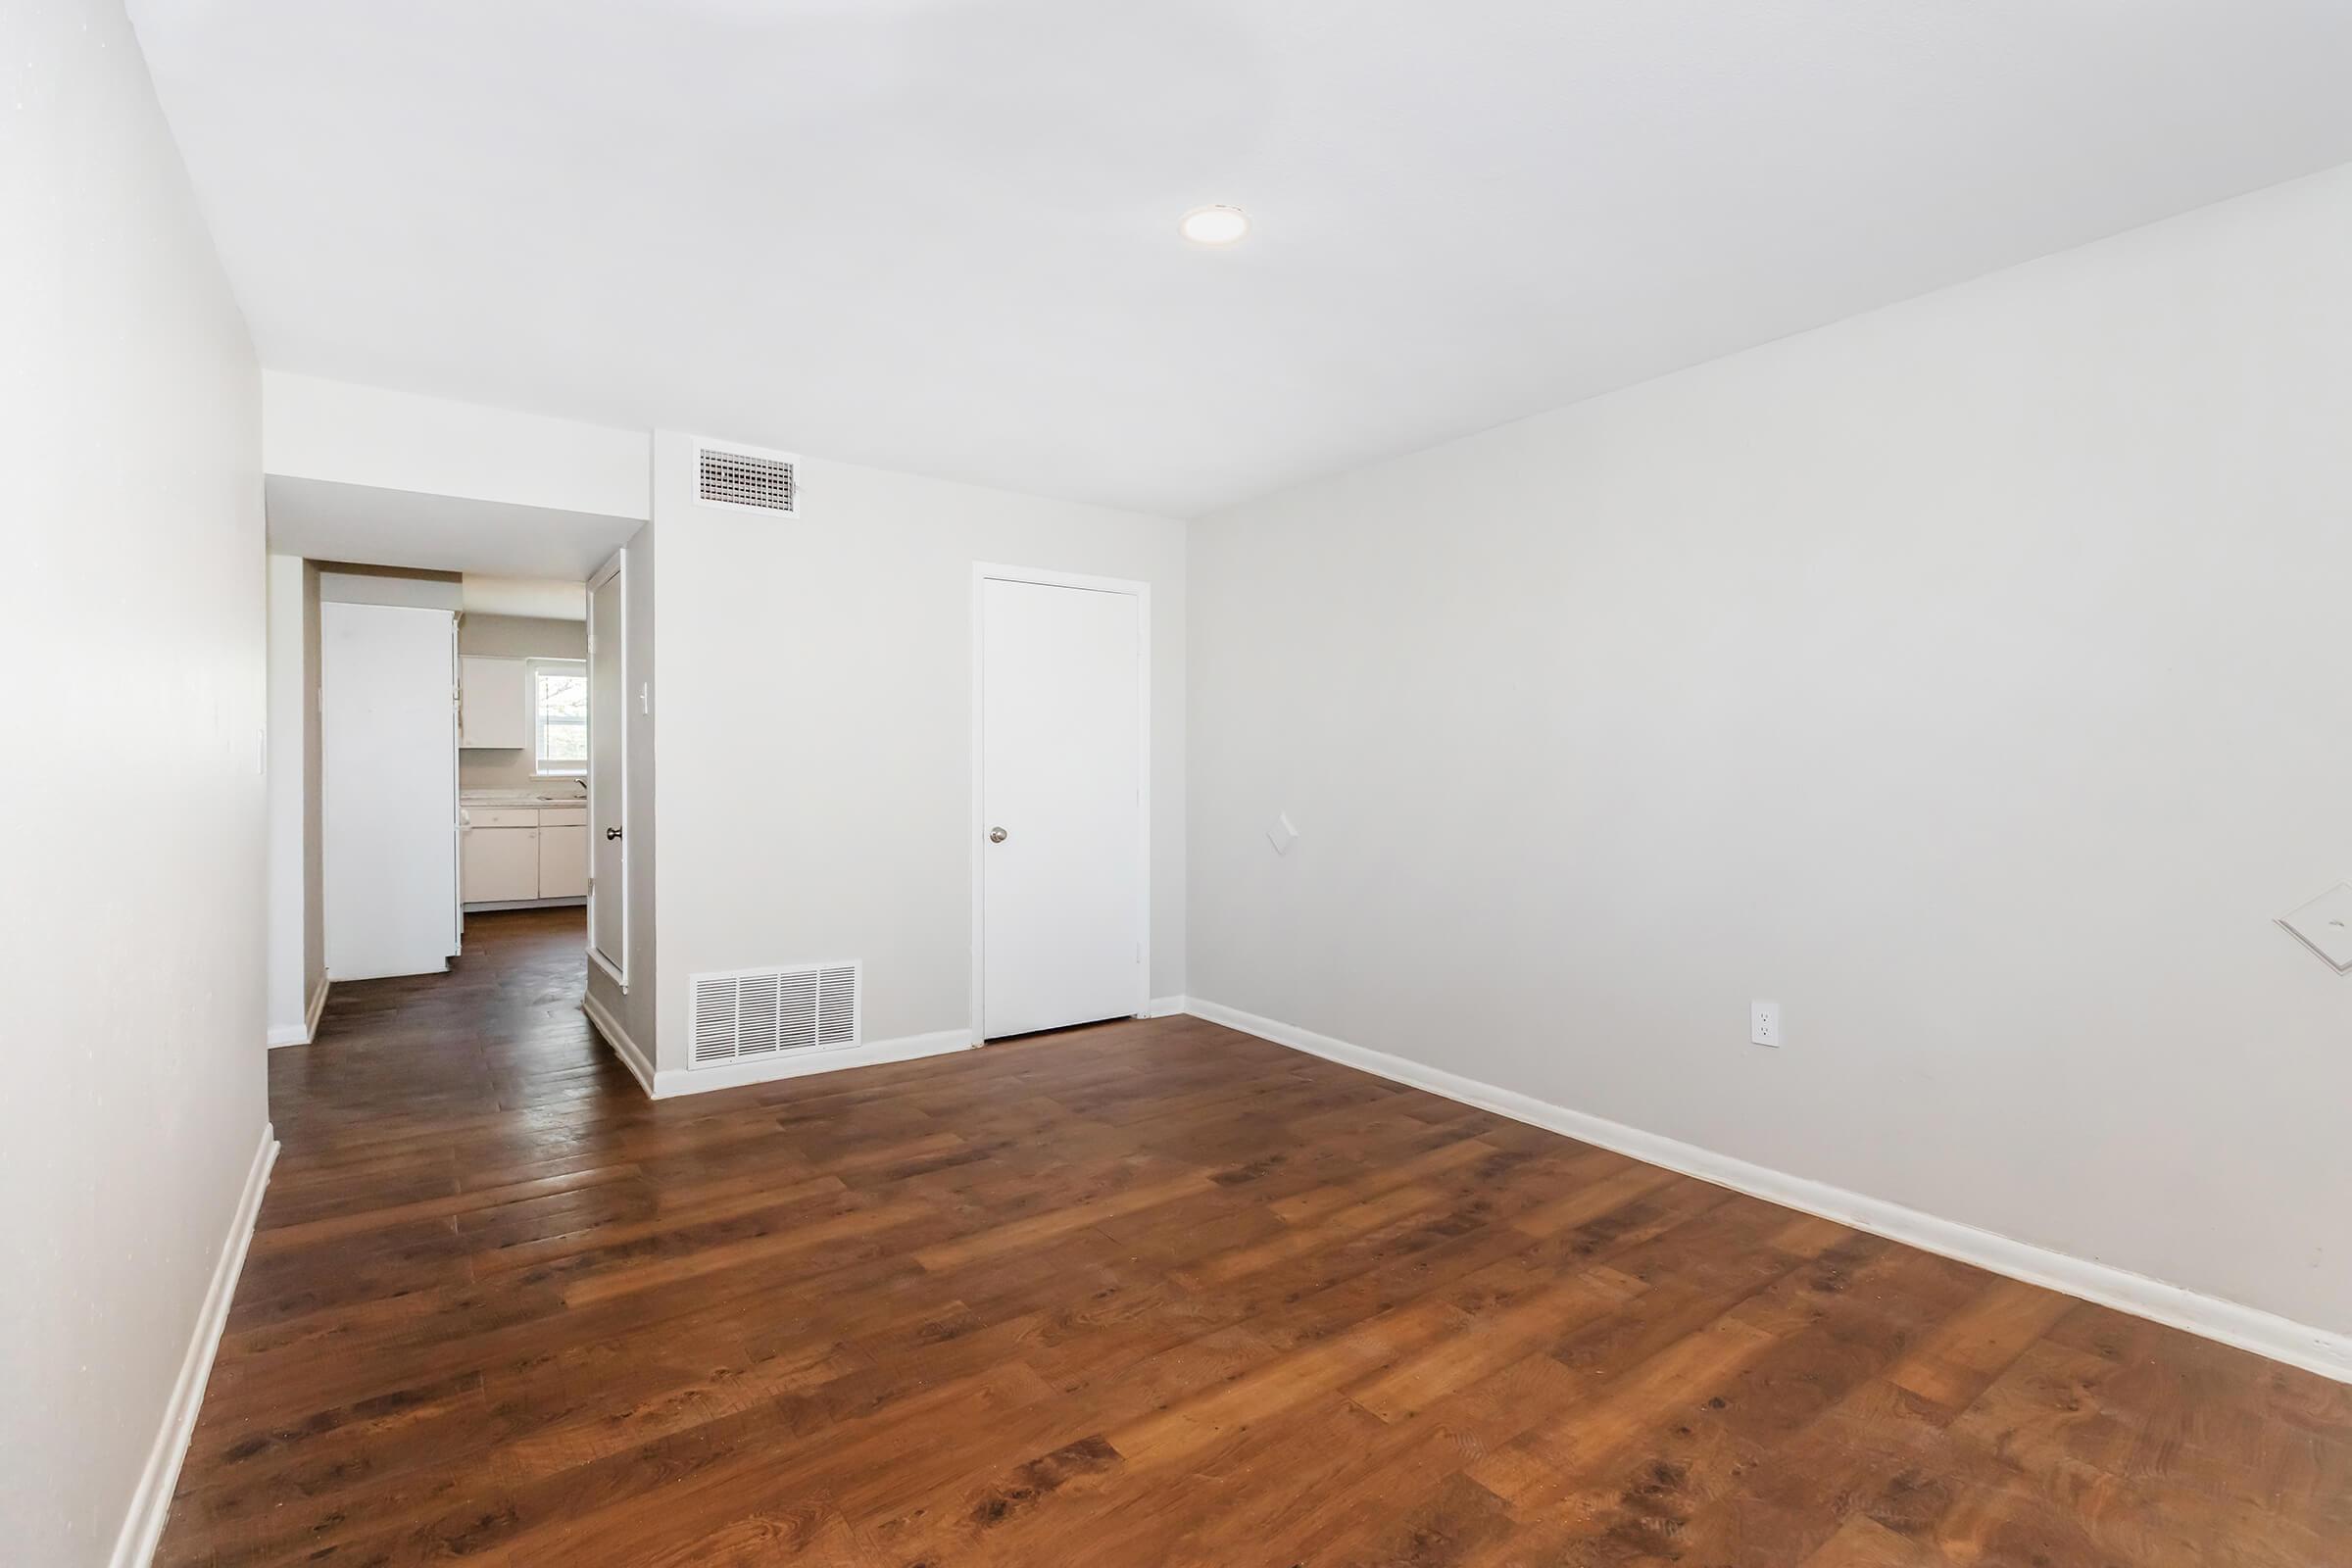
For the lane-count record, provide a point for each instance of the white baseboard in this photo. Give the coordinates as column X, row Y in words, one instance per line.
column 493, row 905
column 2247, row 1327
column 303, row 1033
column 632, row 1054
column 1165, row 1008
column 674, row 1081
column 143, row 1525
column 671, row 1082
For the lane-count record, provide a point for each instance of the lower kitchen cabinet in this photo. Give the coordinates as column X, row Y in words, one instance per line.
column 563, row 861
column 499, row 865
column 518, row 854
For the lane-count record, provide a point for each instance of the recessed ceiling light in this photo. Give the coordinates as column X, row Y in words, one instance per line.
column 1214, row 226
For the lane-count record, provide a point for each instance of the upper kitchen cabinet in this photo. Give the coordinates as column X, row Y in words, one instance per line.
column 493, row 702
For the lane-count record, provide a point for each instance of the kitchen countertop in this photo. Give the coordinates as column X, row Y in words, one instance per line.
column 521, row 800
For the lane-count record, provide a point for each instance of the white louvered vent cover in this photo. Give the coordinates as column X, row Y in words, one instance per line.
column 747, row 480
column 748, row 1013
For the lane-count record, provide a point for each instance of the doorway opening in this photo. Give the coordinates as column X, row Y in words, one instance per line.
column 431, row 761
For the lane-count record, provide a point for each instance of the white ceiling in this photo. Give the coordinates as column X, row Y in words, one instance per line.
column 361, row 523
column 938, row 235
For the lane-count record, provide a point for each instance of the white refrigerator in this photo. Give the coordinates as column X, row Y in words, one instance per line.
column 388, row 799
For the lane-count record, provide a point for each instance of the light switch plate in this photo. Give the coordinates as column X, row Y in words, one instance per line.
column 1281, row 834
column 2324, row 925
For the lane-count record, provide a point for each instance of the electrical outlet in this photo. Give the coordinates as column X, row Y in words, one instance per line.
column 1281, row 835
column 1764, row 1023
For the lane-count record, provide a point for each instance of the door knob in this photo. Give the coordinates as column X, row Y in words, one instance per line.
column 611, row 832
column 996, row 835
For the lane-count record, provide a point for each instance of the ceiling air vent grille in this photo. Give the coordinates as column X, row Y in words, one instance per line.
column 749, row 481
column 748, row 1013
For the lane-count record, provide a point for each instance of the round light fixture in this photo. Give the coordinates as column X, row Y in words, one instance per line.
column 1214, row 226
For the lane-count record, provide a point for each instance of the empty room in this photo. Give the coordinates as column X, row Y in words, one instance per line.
column 1015, row 783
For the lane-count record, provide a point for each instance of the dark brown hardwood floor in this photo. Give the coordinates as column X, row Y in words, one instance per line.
column 1144, row 1294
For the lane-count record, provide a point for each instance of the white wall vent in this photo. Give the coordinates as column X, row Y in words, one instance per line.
column 746, row 479
column 747, row 1014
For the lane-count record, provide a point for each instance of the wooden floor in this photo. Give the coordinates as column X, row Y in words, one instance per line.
column 1146, row 1294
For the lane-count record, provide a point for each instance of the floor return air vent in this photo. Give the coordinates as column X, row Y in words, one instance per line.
column 744, row 1015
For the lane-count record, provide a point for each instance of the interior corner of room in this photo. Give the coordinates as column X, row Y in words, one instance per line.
column 1168, row 807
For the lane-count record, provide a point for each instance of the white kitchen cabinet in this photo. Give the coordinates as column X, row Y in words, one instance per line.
column 493, row 702
column 523, row 854
column 563, row 861
column 499, row 864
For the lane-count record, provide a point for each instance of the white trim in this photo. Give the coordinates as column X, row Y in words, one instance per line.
column 143, row 1525
column 2265, row 1334
column 672, row 1081
column 303, row 1033
column 984, row 573
column 632, row 1056
column 1166, row 1007
column 616, row 567
column 493, row 905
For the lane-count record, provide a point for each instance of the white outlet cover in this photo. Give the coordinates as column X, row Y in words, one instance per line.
column 1764, row 1023
column 2324, row 925
column 1281, row 834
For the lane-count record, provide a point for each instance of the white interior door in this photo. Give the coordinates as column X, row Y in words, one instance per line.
column 1062, row 790
column 388, row 742
column 608, row 771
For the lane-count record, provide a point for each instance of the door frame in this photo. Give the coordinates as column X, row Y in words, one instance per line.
column 617, row 566
column 983, row 574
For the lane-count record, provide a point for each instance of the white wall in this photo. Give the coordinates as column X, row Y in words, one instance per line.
column 1968, row 677
column 133, row 923
column 365, row 435
column 816, row 750
column 288, row 695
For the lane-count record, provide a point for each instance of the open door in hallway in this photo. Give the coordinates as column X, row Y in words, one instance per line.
column 607, row 770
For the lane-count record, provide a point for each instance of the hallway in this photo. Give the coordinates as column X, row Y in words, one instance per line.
column 500, row 1031
column 1149, row 1292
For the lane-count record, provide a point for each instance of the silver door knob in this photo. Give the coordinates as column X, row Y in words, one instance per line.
column 996, row 835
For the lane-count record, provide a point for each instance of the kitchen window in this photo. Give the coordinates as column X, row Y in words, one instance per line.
column 560, row 718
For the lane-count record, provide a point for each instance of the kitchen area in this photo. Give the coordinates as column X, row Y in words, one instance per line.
column 446, row 774
column 522, row 757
